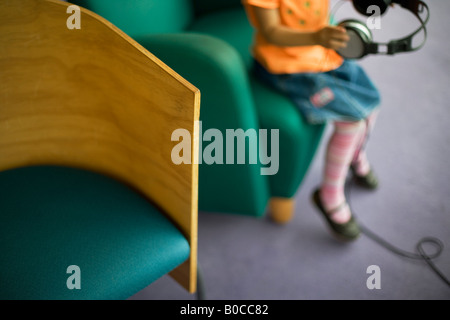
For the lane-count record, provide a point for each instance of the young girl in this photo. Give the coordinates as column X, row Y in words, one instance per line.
column 295, row 52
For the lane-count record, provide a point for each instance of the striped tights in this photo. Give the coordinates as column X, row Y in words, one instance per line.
column 345, row 148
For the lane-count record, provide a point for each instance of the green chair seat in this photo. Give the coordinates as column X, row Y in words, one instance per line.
column 54, row 217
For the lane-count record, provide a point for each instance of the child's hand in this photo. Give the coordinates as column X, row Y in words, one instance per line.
column 332, row 37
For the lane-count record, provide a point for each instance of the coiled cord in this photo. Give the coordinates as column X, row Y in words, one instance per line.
column 420, row 255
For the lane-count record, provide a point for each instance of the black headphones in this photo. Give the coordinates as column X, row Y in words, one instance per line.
column 361, row 41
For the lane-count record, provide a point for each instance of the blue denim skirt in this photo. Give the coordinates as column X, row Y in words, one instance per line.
column 343, row 94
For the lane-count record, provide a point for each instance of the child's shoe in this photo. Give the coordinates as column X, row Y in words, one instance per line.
column 348, row 231
column 368, row 181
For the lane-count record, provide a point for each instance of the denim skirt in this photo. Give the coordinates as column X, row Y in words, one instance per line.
column 344, row 94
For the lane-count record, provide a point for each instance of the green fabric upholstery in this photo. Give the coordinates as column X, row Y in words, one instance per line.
column 54, row 217
column 213, row 53
column 230, row 25
column 137, row 17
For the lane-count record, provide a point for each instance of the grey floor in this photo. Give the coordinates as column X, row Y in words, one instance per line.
column 246, row 258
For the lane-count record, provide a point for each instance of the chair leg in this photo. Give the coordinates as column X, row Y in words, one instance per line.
column 200, row 285
column 281, row 210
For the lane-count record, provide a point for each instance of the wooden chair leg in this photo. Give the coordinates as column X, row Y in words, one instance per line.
column 281, row 210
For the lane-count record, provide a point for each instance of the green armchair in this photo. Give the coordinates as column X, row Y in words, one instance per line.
column 208, row 43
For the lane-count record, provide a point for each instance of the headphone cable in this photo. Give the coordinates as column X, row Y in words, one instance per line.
column 420, row 255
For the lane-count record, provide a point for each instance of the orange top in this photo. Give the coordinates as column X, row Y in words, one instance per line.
column 303, row 15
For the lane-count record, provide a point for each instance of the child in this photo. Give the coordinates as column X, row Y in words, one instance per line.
column 295, row 52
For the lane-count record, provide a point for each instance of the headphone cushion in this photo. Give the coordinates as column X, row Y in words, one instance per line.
column 359, row 27
column 360, row 38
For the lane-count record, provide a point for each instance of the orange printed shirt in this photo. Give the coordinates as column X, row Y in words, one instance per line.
column 303, row 15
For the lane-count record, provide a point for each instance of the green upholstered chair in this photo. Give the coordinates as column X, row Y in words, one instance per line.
column 91, row 204
column 208, row 43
